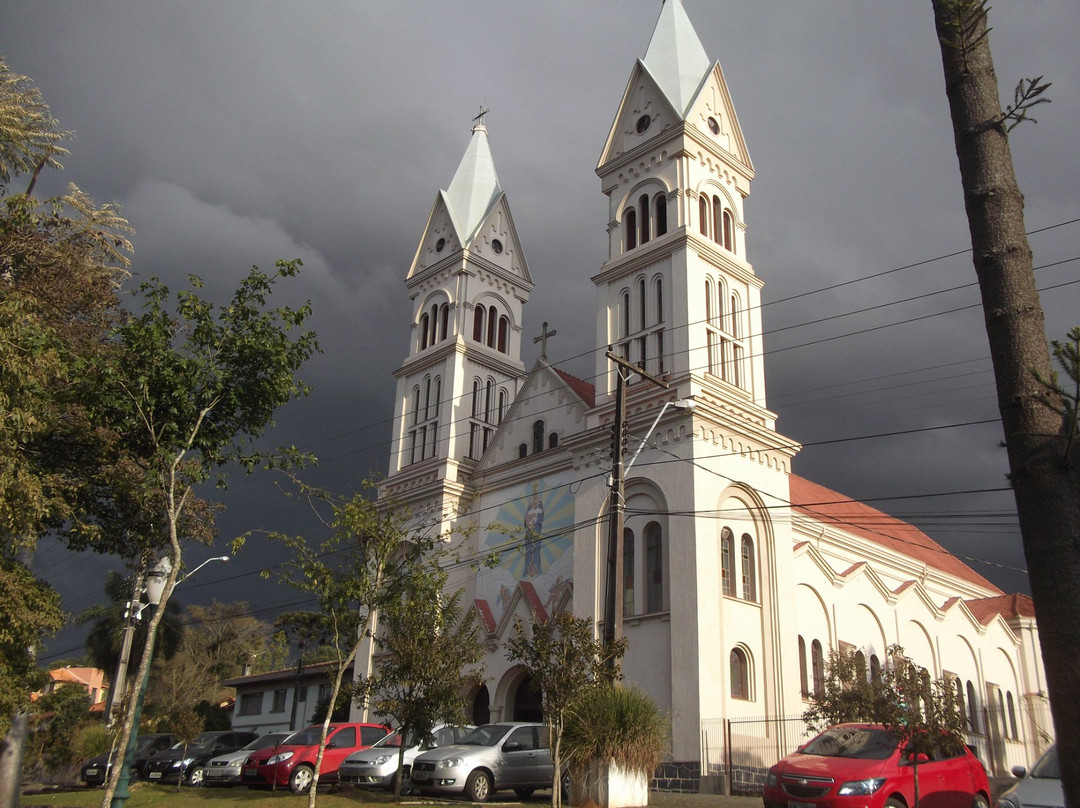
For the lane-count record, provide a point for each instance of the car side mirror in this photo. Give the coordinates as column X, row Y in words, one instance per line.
column 1019, row 772
column 509, row 746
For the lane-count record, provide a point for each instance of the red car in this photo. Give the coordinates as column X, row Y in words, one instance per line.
column 292, row 762
column 862, row 766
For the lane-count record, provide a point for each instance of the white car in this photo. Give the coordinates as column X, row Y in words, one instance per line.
column 224, row 770
column 1039, row 788
column 376, row 766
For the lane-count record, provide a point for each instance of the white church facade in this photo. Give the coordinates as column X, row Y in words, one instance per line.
column 738, row 576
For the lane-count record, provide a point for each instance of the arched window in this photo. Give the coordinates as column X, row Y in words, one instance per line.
column 423, row 431
column 434, row 324
column 641, row 303
column 504, row 334
column 643, row 207
column 817, row 665
column 658, row 288
column 654, row 567
column 478, row 324
column 502, row 405
column 749, row 571
column 972, row 709
column 727, row 231
column 630, row 227
column 1011, row 707
column 628, row 572
column 660, row 208
column 523, row 450
column 444, row 320
column 492, row 324
column 860, row 664
column 727, row 575
column 740, row 674
column 960, row 703
column 717, row 216
column 538, row 437
column 703, row 215
column 423, row 331
column 804, row 683
column 626, row 314
column 875, row 668
column 553, row 440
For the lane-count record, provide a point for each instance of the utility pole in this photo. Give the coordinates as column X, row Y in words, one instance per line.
column 613, row 592
column 131, row 616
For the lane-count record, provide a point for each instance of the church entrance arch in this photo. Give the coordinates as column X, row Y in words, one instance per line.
column 481, row 706
column 517, row 697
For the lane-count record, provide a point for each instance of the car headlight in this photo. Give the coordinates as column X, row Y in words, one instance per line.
column 281, row 757
column 380, row 760
column 450, row 763
column 177, row 764
column 857, row 787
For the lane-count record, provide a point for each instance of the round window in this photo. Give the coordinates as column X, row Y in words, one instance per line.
column 714, row 127
column 440, row 244
column 643, row 124
column 497, row 246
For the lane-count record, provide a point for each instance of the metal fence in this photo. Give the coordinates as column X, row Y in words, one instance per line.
column 736, row 753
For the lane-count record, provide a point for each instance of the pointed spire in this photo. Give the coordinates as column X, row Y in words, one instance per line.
column 475, row 186
column 676, row 58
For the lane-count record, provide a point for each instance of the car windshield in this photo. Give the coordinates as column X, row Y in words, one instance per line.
column 487, row 735
column 273, row 739
column 206, row 739
column 145, row 744
column 853, row 742
column 393, row 739
column 1047, row 767
column 307, row 737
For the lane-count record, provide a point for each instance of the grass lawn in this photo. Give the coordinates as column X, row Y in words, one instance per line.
column 145, row 795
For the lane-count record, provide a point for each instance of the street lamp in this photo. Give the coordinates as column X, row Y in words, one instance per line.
column 680, row 404
column 156, row 580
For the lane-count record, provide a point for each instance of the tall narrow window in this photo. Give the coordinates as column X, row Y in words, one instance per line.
column 804, row 682
column 628, row 572
column 502, row 405
column 478, row 324
column 538, row 437
column 626, row 314
column 661, row 214
column 817, row 665
column 1011, row 707
column 643, row 207
column 717, row 222
column 630, row 226
column 703, row 215
column 641, row 302
column 492, row 324
column 444, row 320
column 740, row 674
column 875, row 668
column 423, row 331
column 749, row 573
column 973, row 709
column 504, row 334
column 434, row 324
column 658, row 286
column 727, row 539
column 654, row 567
column 727, row 231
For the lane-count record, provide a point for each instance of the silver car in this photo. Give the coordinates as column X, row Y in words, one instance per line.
column 376, row 766
column 488, row 759
column 1040, row 788
column 224, row 770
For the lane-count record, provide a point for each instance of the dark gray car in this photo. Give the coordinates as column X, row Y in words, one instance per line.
column 490, row 758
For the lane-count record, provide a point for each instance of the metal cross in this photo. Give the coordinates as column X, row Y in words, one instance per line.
column 542, row 339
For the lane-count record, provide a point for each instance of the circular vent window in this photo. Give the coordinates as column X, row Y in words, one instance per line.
column 714, row 127
column 440, row 244
column 496, row 245
column 643, row 124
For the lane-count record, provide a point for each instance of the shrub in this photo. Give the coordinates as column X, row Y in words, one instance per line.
column 616, row 723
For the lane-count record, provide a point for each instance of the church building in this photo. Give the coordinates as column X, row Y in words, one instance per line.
column 737, row 577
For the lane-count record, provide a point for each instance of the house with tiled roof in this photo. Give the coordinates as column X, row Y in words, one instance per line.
column 734, row 578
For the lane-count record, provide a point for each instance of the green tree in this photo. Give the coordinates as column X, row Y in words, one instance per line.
column 190, row 393
column 566, row 661
column 66, row 708
column 428, row 654
column 186, row 726
column 847, row 693
column 61, row 260
column 1038, row 438
column 372, row 548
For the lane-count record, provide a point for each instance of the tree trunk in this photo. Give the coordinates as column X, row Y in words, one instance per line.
column 1045, row 484
column 11, row 759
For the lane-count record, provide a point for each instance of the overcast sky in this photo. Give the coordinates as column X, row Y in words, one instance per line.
column 239, row 133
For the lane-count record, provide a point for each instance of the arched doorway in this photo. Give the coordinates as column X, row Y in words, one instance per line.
column 528, row 705
column 481, row 706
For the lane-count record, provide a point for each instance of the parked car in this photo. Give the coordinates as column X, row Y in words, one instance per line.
column 376, row 767
column 1039, row 787
column 184, row 764
column 224, row 770
column 490, row 758
column 863, row 766
column 292, row 763
column 96, row 770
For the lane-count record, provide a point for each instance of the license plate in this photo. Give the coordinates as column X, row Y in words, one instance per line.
column 419, row 776
column 794, row 804
column 155, row 775
column 251, row 771
column 91, row 771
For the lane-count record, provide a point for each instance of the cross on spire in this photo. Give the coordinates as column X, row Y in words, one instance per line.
column 543, row 338
column 479, row 119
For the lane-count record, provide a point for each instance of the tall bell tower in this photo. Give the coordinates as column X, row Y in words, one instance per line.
column 468, row 284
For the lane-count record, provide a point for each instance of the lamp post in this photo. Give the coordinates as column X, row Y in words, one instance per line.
column 155, row 588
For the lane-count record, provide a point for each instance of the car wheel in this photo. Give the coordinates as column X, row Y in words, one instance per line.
column 478, row 786
column 406, row 782
column 979, row 802
column 196, row 777
column 301, row 778
column 524, row 793
column 893, row 803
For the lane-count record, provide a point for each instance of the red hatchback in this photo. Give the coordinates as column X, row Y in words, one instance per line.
column 292, row 762
column 862, row 766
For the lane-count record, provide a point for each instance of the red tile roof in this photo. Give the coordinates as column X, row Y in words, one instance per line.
column 869, row 523
column 1008, row 606
column 584, row 390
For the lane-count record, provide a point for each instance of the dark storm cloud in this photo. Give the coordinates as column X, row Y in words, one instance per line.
column 236, row 134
